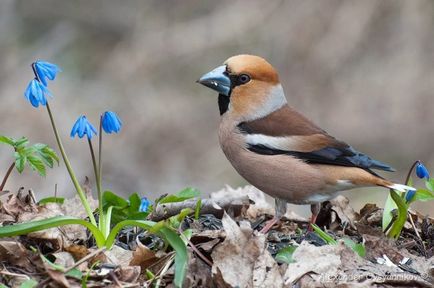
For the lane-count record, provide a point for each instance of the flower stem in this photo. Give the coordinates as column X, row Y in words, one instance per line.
column 410, row 171
column 98, row 185
column 100, row 151
column 70, row 171
column 7, row 176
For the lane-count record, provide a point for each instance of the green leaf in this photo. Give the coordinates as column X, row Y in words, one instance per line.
column 37, row 164
column 41, row 152
column 30, row 283
column 7, row 140
column 176, row 220
column 86, row 277
column 356, row 247
column 149, row 274
column 134, row 203
column 147, row 225
column 33, row 226
column 430, row 184
column 111, row 199
column 285, row 255
column 389, row 206
column 422, row 195
column 54, row 266
column 183, row 195
column 46, row 200
column 181, row 256
column 323, row 235
column 186, row 235
column 397, row 226
column 21, row 143
column 197, row 209
column 75, row 273
column 26, row 151
column 46, row 150
column 20, row 162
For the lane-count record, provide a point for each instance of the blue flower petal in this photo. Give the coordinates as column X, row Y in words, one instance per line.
column 409, row 195
column 111, row 122
column 45, row 70
column 421, row 171
column 83, row 127
column 36, row 93
column 144, row 204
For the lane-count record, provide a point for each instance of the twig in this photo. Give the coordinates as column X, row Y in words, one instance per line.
column 8, row 173
column 14, row 274
column 209, row 206
column 115, row 279
column 201, row 256
column 84, row 259
column 93, row 254
column 417, row 233
column 164, row 270
column 196, row 250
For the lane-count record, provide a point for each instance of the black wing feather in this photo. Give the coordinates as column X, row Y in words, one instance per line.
column 341, row 156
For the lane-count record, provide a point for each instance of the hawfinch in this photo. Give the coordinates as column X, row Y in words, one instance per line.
column 277, row 149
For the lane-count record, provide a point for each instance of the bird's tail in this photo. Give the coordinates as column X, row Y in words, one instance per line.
column 400, row 187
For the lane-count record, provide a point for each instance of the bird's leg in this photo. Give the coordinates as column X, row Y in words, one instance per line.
column 314, row 208
column 279, row 211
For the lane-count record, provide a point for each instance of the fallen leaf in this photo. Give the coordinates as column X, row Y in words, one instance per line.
column 198, row 273
column 119, row 256
column 242, row 248
column 142, row 256
column 128, row 274
column 64, row 259
column 15, row 253
column 17, row 204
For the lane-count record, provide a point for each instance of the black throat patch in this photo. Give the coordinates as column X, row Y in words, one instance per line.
column 223, row 103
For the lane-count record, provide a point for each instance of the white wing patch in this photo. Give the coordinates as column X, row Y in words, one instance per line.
column 286, row 143
column 281, row 143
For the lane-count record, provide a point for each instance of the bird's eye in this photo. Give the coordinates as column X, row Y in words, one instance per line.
column 244, row 78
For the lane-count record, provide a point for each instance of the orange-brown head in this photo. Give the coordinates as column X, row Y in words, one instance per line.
column 248, row 86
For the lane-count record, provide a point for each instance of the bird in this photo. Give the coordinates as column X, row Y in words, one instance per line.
column 279, row 150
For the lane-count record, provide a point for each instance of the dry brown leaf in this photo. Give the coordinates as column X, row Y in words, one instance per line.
column 338, row 266
column 260, row 206
column 309, row 258
column 341, row 205
column 243, row 259
column 198, row 273
column 142, row 256
column 15, row 253
column 17, row 204
column 128, row 274
column 376, row 247
column 56, row 275
column 65, row 235
column 119, row 256
column 63, row 259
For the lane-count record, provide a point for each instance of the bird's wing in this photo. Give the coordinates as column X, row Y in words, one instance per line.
column 287, row 132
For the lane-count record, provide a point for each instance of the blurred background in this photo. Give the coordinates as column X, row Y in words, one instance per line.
column 363, row 70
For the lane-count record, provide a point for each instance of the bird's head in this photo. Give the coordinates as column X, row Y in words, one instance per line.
column 248, row 87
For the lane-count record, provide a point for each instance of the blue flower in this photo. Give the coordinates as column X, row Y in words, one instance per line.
column 36, row 92
column 83, row 127
column 45, row 70
column 144, row 204
column 111, row 122
column 409, row 195
column 421, row 171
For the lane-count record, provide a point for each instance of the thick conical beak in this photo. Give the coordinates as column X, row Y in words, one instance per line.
column 217, row 80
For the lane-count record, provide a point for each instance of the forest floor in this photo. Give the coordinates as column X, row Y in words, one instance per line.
column 225, row 249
